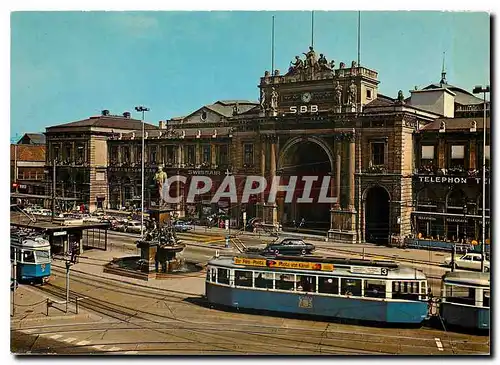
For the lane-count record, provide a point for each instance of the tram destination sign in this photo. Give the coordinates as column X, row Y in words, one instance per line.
column 283, row 264
column 369, row 270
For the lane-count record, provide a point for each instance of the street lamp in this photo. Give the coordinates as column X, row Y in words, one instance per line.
column 484, row 90
column 143, row 110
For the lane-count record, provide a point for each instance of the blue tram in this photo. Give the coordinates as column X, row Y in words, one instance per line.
column 347, row 289
column 32, row 255
column 465, row 299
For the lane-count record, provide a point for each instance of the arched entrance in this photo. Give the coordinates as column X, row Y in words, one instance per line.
column 305, row 157
column 377, row 215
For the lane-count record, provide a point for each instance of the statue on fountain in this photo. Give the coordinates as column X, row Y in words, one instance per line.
column 160, row 178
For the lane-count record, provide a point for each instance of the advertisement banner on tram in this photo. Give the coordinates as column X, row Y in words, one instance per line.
column 284, row 264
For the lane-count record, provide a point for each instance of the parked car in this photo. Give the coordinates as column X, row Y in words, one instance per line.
column 468, row 261
column 289, row 246
column 133, row 227
column 118, row 225
column 181, row 226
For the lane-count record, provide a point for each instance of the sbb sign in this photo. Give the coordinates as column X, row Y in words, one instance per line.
column 303, row 109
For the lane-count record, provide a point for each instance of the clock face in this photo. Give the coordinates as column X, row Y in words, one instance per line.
column 306, row 97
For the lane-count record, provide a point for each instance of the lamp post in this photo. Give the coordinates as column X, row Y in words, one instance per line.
column 484, row 90
column 143, row 110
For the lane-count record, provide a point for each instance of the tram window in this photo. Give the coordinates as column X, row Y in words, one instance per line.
column 243, row 278
column 222, row 276
column 306, row 283
column 328, row 285
column 264, row 280
column 375, row 288
column 28, row 256
column 350, row 287
column 405, row 290
column 486, row 298
column 214, row 272
column 42, row 256
column 284, row 281
column 12, row 253
column 460, row 294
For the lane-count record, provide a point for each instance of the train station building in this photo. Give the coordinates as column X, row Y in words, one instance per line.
column 316, row 119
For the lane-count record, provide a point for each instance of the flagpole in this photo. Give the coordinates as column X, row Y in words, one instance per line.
column 272, row 48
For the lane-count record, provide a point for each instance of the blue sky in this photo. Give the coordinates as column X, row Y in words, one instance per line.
column 67, row 66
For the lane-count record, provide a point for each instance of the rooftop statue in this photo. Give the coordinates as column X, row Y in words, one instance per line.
column 352, row 93
column 338, row 93
column 296, row 66
column 323, row 63
column 310, row 58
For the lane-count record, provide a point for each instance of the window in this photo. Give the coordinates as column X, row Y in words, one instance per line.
column 368, row 93
column 67, row 153
column 55, row 154
column 222, row 154
column 328, row 285
column 211, row 274
column 190, row 154
column 486, row 153
column 458, row 156
column 99, row 176
column 284, row 281
column 153, row 154
column 460, row 294
column 427, row 154
column 486, row 298
column 306, row 283
column 126, row 154
column 42, row 256
column 264, row 280
column 405, row 290
column 170, row 155
column 114, row 154
column 248, row 154
column 206, row 153
column 375, row 288
column 28, row 256
column 378, row 153
column 222, row 276
column 243, row 278
column 350, row 287
column 80, row 154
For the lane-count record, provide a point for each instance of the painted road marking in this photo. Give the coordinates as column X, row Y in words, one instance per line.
column 439, row 344
column 130, row 352
column 55, row 337
column 83, row 343
column 68, row 340
column 114, row 349
column 98, row 346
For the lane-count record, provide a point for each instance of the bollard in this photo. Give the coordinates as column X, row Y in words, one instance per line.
column 227, row 241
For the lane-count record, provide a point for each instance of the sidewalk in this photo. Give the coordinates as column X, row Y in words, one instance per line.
column 31, row 310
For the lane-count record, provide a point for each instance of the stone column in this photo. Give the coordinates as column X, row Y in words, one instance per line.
column 120, row 154
column 338, row 158
column 472, row 154
column 262, row 167
column 179, row 156
column 352, row 171
column 441, row 153
column 274, row 214
column 213, row 154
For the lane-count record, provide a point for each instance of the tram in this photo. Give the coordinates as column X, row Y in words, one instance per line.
column 465, row 299
column 379, row 291
column 32, row 255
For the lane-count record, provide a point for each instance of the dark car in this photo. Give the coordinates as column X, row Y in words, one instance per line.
column 289, row 246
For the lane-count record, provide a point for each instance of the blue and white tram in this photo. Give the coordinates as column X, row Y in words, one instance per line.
column 347, row 289
column 32, row 255
column 465, row 299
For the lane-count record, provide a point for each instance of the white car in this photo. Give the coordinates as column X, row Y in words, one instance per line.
column 468, row 261
column 133, row 227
